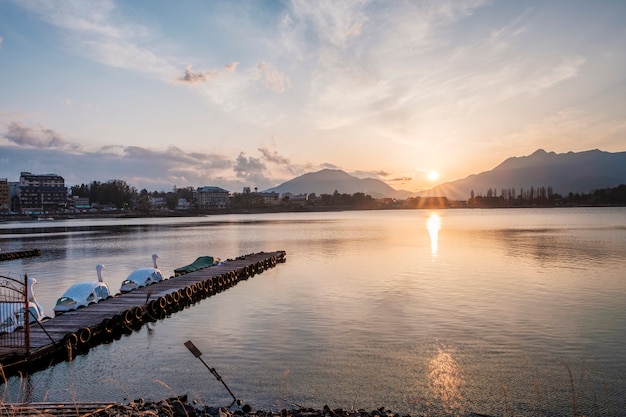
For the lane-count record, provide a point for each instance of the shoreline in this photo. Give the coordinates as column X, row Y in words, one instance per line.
column 181, row 407
column 51, row 217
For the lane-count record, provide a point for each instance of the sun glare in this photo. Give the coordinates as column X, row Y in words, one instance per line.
column 433, row 175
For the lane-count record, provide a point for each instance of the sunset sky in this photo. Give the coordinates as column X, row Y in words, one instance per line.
column 253, row 93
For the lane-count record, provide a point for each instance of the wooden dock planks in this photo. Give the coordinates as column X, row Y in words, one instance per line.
column 74, row 332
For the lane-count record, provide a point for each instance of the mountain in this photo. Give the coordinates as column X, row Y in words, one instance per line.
column 327, row 181
column 576, row 172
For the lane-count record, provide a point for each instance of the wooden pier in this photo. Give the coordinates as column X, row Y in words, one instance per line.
column 11, row 255
column 56, row 409
column 72, row 333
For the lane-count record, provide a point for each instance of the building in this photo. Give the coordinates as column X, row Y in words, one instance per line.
column 157, row 203
column 270, row 198
column 42, row 193
column 212, row 197
column 183, row 204
column 297, row 199
column 80, row 203
column 5, row 195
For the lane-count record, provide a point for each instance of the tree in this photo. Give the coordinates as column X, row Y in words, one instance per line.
column 171, row 200
column 143, row 201
column 116, row 193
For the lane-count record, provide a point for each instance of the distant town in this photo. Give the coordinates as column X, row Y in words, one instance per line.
column 44, row 195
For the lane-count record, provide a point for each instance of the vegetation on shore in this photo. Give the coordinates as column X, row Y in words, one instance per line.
column 116, row 198
column 119, row 195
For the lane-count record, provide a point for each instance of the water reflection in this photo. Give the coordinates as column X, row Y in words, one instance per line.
column 433, row 225
column 341, row 309
column 446, row 381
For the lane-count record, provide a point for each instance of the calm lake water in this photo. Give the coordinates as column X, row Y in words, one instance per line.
column 422, row 312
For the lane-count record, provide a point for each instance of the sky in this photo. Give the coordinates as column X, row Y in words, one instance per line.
column 253, row 93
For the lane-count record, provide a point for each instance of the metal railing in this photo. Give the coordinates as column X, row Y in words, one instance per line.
column 14, row 314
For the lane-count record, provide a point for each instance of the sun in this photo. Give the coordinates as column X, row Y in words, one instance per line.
column 433, row 175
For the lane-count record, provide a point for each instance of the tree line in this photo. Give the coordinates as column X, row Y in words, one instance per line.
column 119, row 194
column 545, row 196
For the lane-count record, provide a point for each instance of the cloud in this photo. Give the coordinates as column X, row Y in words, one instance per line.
column 252, row 171
column 272, row 78
column 331, row 22
column 566, row 69
column 152, row 169
column 21, row 135
column 362, row 75
column 370, row 174
column 565, row 127
column 283, row 169
column 383, row 78
column 139, row 167
column 248, row 167
column 273, row 157
column 400, row 179
column 43, row 150
column 0, row 41
column 192, row 77
column 96, row 29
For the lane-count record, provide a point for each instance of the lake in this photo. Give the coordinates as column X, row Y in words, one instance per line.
column 451, row 312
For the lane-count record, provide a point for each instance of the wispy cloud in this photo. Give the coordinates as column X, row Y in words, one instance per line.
column 273, row 157
column 39, row 137
column 409, row 69
column 331, row 22
column 564, row 127
column 378, row 68
column 370, row 174
column 192, row 77
column 272, row 78
column 96, row 29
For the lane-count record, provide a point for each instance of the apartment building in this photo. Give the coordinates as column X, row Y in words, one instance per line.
column 42, row 193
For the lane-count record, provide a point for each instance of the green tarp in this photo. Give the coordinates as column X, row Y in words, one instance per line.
column 200, row 263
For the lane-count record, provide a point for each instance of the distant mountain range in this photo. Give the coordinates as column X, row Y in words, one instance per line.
column 577, row 172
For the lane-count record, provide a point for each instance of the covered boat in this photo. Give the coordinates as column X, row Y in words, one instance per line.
column 200, row 263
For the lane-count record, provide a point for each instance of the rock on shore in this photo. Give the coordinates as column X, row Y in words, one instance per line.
column 180, row 407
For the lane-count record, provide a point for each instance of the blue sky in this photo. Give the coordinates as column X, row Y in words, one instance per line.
column 254, row 93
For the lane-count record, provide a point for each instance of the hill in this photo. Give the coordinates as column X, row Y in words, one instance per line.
column 327, row 181
column 576, row 172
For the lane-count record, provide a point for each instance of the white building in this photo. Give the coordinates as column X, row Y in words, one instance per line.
column 212, row 197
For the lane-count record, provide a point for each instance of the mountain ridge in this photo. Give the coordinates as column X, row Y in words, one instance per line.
column 576, row 172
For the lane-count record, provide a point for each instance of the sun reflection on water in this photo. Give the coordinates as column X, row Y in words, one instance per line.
column 446, row 381
column 433, row 225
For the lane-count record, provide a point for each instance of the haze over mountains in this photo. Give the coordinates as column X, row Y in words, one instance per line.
column 576, row 172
